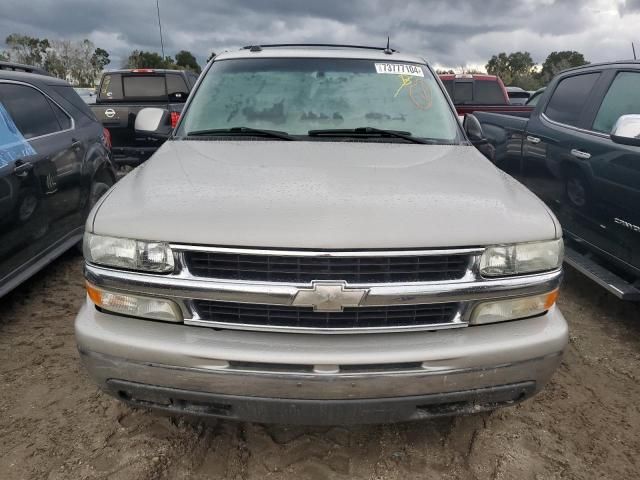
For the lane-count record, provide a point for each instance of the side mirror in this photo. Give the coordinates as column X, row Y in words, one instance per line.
column 153, row 122
column 473, row 129
column 626, row 131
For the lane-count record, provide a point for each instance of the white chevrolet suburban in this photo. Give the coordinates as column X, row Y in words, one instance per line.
column 320, row 242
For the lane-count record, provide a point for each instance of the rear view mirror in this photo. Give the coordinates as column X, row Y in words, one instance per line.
column 626, row 131
column 153, row 122
column 473, row 129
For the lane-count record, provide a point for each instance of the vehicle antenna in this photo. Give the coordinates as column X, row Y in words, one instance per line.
column 633, row 47
column 387, row 50
column 160, row 28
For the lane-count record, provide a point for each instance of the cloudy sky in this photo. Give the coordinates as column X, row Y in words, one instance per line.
column 447, row 32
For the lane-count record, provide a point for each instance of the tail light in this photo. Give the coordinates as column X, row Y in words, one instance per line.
column 175, row 116
column 106, row 138
column 143, row 70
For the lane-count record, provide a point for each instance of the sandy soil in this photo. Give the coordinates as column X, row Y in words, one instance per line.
column 54, row 424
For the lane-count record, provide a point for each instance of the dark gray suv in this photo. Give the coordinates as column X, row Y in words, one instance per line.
column 55, row 163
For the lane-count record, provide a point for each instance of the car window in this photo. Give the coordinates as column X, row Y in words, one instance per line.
column 63, row 119
column 463, row 92
column 175, row 83
column 140, row 86
column 534, row 99
column 448, row 84
column 193, row 78
column 31, row 111
column 488, row 92
column 621, row 99
column 12, row 144
column 569, row 98
column 111, row 87
column 177, row 88
column 71, row 96
column 301, row 94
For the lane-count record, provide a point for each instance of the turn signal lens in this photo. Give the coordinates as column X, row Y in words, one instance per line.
column 134, row 305
column 513, row 309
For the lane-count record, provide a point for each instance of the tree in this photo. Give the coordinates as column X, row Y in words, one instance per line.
column 511, row 68
column 27, row 50
column 499, row 65
column 558, row 61
column 100, row 59
column 4, row 57
column 142, row 59
column 78, row 62
column 186, row 60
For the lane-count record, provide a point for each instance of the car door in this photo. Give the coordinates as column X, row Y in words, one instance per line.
column 32, row 219
column 547, row 146
column 610, row 195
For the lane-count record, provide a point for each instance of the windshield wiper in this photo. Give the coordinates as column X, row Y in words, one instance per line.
column 245, row 131
column 346, row 132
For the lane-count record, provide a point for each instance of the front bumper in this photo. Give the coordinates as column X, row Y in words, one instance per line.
column 305, row 378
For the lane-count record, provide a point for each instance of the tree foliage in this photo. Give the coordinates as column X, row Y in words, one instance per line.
column 26, row 49
column 515, row 68
column 558, row 61
column 184, row 60
column 78, row 62
column 143, row 59
column 519, row 69
column 100, row 59
column 187, row 61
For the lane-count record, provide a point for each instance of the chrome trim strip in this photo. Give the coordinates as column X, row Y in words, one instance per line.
column 328, row 253
column 176, row 287
column 571, row 127
column 457, row 322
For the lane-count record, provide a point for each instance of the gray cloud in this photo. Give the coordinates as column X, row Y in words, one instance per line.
column 447, row 32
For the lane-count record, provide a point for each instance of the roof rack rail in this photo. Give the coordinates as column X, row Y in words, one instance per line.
column 257, row 48
column 19, row 67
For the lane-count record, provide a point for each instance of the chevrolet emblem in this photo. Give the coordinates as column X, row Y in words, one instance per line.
column 329, row 296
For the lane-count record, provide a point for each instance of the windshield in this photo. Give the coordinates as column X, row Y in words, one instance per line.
column 296, row 95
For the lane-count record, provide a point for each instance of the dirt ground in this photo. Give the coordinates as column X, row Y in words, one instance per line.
column 55, row 424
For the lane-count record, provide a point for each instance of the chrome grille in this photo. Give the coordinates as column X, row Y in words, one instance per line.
column 305, row 269
column 306, row 318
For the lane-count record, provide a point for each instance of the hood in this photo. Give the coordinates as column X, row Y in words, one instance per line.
column 322, row 195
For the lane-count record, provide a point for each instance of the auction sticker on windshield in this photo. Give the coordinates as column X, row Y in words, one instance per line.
column 399, row 69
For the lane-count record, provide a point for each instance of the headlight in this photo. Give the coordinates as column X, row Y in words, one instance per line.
column 128, row 254
column 135, row 305
column 512, row 309
column 521, row 258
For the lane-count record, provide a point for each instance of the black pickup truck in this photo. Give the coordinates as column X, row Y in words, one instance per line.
column 580, row 152
column 123, row 93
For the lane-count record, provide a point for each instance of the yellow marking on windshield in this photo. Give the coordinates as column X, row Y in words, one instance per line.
column 405, row 81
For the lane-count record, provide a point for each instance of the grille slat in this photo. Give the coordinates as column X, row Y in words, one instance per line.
column 302, row 269
column 350, row 318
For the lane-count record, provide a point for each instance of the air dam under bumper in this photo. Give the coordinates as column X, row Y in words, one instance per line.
column 314, row 379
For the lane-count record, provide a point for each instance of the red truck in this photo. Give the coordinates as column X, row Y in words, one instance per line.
column 481, row 93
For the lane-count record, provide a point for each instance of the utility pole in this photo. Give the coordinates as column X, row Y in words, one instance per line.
column 160, row 28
